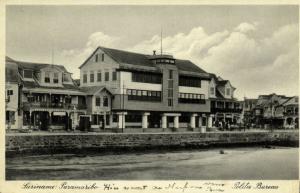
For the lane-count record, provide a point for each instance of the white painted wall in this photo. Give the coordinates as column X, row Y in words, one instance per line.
column 51, row 70
column 203, row 90
column 126, row 78
column 12, row 105
column 108, row 65
column 212, row 84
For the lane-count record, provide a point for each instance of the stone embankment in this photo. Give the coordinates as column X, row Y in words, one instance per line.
column 50, row 143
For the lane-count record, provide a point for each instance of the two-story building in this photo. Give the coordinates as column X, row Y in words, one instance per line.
column 127, row 89
column 48, row 98
column 224, row 107
column 276, row 111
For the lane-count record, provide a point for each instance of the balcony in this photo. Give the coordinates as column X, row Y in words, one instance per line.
column 60, row 105
column 225, row 110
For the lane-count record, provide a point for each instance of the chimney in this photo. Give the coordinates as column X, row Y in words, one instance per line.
column 154, row 52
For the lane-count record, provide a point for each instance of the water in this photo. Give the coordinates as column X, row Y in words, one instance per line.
column 235, row 163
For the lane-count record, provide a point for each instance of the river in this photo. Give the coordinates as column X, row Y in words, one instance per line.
column 235, row 163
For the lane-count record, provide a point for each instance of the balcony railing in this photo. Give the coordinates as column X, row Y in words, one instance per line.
column 59, row 105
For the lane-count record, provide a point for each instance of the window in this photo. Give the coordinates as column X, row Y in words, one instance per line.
column 66, row 77
column 170, row 74
column 99, row 76
column 114, row 75
column 105, row 102
column 129, row 91
column 170, row 102
column 212, row 90
column 96, row 58
column 228, row 91
column 106, row 76
column 84, row 77
column 191, row 98
column 91, row 76
column 28, row 74
column 47, row 77
column 146, row 77
column 9, row 92
column 55, row 78
column 98, row 101
column 189, row 81
column 170, row 93
column 102, row 57
column 143, row 95
column 10, row 117
column 170, row 88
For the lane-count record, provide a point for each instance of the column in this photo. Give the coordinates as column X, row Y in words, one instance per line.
column 209, row 122
column 121, row 122
column 193, row 120
column 104, row 119
column 111, row 120
column 164, row 121
column 176, row 121
column 145, row 120
column 120, row 119
column 200, row 121
column 284, row 123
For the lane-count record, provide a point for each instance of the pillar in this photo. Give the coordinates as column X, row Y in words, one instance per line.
column 104, row 119
column 111, row 120
column 145, row 120
column 193, row 120
column 200, row 121
column 209, row 122
column 176, row 121
column 164, row 121
column 121, row 122
column 284, row 123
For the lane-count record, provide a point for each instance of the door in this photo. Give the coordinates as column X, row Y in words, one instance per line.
column 84, row 123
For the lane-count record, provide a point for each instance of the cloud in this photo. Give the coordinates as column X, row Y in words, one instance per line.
column 75, row 57
column 246, row 27
column 254, row 65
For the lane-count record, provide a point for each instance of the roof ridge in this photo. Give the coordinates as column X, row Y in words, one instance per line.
column 131, row 52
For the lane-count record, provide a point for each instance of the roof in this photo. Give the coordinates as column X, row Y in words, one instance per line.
column 126, row 57
column 91, row 90
column 38, row 66
column 222, row 82
column 11, row 71
column 77, row 82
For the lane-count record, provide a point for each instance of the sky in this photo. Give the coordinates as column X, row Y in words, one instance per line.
column 255, row 47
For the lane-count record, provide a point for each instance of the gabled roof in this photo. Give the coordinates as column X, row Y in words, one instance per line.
column 91, row 90
column 137, row 59
column 38, row 66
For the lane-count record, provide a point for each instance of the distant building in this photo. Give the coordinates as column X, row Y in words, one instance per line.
column 248, row 116
column 45, row 99
column 224, row 107
column 277, row 111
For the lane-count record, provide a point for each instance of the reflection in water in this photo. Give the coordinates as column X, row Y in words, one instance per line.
column 233, row 163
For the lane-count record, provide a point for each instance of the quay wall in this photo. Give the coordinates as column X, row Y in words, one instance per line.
column 83, row 142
